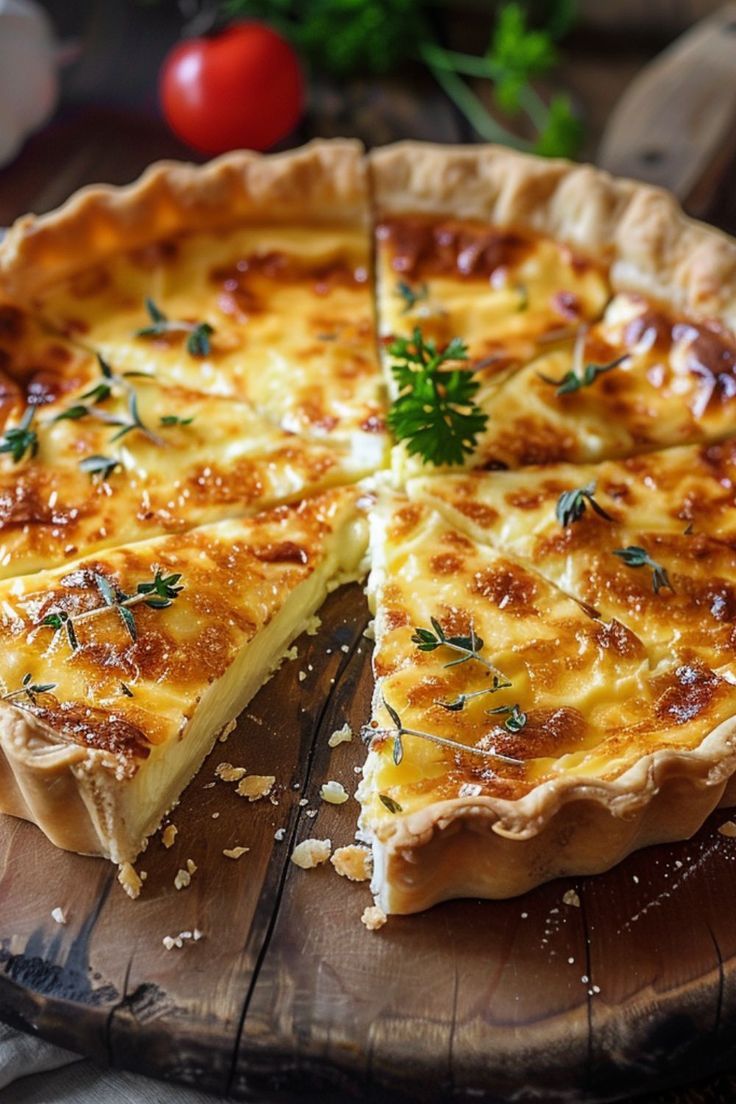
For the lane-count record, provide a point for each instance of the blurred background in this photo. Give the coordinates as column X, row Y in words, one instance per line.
column 94, row 90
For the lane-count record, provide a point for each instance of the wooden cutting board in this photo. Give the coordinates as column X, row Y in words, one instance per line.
column 287, row 996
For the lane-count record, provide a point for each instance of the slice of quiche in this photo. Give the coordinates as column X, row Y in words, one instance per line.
column 595, row 320
column 248, row 278
column 516, row 736
column 126, row 459
column 120, row 670
column 647, row 542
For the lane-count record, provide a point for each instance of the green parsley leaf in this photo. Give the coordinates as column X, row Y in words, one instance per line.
column 434, row 413
column 411, row 295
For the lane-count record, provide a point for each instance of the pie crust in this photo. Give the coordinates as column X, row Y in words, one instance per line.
column 466, row 846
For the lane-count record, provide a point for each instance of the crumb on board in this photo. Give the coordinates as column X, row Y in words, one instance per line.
column 183, row 876
column 334, row 793
column 369, row 632
column 215, row 816
column 279, row 834
column 169, row 835
column 311, row 852
column 302, row 675
column 353, row 862
column 226, row 772
column 373, row 917
column 255, row 786
column 229, row 727
column 234, row 852
column 728, row 828
column 58, row 915
column 129, row 879
column 177, row 941
column 340, row 736
column 571, row 898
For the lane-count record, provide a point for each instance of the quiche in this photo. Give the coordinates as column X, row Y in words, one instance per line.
column 519, row 373
column 121, row 668
column 516, row 735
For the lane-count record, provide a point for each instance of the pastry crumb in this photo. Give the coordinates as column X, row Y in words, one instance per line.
column 229, row 727
column 182, row 879
column 255, row 786
column 302, row 675
column 177, row 941
column 728, row 828
column 279, row 834
column 369, row 632
column 311, row 852
column 341, row 736
column 353, row 862
column 169, row 835
column 334, row 793
column 313, row 625
column 129, row 880
column 191, row 866
column 58, row 915
column 291, row 653
column 571, row 898
column 373, row 917
column 226, row 772
column 234, row 852
column 215, row 816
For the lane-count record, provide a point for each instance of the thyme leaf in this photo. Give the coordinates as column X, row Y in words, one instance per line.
column 571, row 505
column 571, row 381
column 411, row 294
column 29, row 689
column 103, row 466
column 390, row 804
column 198, row 341
column 635, row 556
column 515, row 719
column 401, row 730
column 21, row 439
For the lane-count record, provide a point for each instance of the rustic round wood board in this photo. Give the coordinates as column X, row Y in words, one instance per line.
column 288, row 995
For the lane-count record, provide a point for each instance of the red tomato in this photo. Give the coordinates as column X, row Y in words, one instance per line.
column 240, row 88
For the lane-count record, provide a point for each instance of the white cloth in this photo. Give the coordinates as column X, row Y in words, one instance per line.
column 26, row 1077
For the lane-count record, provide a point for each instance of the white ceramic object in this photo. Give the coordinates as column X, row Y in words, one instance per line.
column 29, row 84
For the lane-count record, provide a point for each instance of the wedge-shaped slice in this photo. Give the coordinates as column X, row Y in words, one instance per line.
column 118, row 672
column 515, row 737
column 661, row 561
column 142, row 461
column 641, row 379
column 248, row 278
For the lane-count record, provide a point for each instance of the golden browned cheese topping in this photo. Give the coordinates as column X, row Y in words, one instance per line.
column 125, row 665
column 500, row 656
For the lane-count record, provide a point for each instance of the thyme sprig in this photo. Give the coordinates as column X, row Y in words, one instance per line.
column 28, row 689
column 411, row 294
column 400, row 730
column 435, row 412
column 198, row 342
column 159, row 593
column 21, row 439
column 103, row 466
column 635, row 556
column 468, row 648
column 573, row 381
column 515, row 718
column 571, row 505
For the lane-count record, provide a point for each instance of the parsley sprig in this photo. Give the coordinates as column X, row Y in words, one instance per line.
column 636, row 556
column 159, row 593
column 21, row 439
column 435, row 412
column 198, row 341
column 571, row 505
